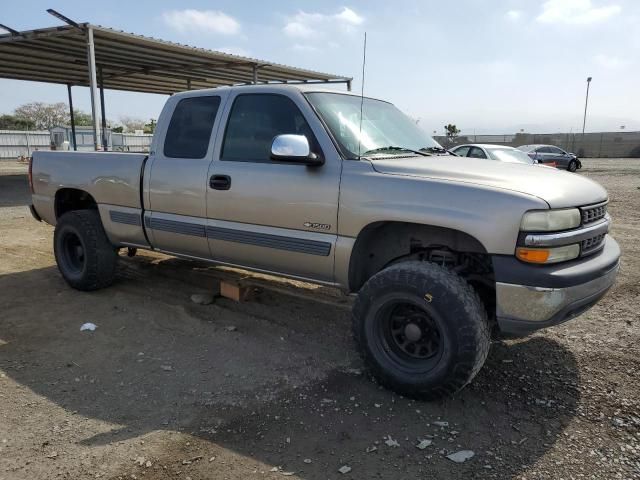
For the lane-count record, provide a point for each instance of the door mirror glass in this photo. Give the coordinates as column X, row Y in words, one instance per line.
column 293, row 148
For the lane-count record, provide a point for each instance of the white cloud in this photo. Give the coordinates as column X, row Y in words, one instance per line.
column 307, row 25
column 577, row 12
column 513, row 15
column 610, row 62
column 299, row 30
column 349, row 16
column 304, row 48
column 208, row 21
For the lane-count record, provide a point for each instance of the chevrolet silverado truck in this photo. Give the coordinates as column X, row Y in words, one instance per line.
column 443, row 252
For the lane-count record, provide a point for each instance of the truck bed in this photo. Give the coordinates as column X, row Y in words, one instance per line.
column 112, row 179
column 109, row 177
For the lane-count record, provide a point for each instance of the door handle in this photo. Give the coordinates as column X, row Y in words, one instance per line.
column 220, row 182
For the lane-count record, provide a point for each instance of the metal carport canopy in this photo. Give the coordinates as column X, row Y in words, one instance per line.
column 134, row 62
column 89, row 55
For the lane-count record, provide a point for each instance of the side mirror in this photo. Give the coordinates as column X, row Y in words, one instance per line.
column 294, row 149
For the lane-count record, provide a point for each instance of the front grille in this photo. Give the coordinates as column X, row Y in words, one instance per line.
column 593, row 244
column 593, row 213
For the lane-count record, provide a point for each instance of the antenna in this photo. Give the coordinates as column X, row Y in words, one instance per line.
column 364, row 61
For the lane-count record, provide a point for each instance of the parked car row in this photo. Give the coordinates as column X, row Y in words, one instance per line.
column 547, row 155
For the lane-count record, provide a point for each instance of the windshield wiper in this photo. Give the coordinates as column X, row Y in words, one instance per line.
column 391, row 148
column 437, row 150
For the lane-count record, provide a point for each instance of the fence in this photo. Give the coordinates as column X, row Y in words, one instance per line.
column 15, row 143
column 18, row 143
column 128, row 142
column 600, row 144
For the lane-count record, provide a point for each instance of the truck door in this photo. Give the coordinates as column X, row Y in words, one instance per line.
column 277, row 217
column 176, row 174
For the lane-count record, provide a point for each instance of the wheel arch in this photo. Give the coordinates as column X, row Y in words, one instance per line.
column 68, row 199
column 383, row 242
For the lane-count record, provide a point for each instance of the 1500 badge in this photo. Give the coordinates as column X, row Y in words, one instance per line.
column 317, row 226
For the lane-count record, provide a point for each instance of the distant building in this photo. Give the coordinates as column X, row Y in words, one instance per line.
column 123, row 142
column 84, row 137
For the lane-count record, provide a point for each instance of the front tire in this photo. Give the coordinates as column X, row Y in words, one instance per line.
column 85, row 257
column 421, row 329
column 573, row 166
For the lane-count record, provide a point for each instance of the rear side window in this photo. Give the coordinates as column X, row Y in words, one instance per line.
column 462, row 151
column 255, row 120
column 190, row 127
column 476, row 153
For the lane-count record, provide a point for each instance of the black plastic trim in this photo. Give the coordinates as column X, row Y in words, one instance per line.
column 125, row 217
column 141, row 191
column 278, row 242
column 173, row 226
column 311, row 247
column 508, row 269
column 34, row 213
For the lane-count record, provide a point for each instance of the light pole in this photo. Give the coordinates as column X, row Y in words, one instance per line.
column 586, row 100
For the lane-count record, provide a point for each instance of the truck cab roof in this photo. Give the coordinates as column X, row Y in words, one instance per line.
column 272, row 87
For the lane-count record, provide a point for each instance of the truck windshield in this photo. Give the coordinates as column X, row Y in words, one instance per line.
column 386, row 131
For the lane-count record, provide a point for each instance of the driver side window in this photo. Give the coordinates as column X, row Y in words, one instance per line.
column 255, row 120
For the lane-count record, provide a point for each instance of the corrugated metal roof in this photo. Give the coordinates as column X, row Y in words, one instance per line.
column 134, row 62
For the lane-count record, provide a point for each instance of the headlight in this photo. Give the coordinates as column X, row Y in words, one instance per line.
column 548, row 255
column 550, row 220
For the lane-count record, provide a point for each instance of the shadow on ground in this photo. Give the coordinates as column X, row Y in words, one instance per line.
column 15, row 190
column 274, row 380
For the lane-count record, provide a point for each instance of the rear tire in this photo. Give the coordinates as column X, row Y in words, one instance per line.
column 85, row 257
column 421, row 330
column 573, row 166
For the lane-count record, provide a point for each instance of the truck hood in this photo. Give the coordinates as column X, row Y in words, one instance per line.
column 558, row 188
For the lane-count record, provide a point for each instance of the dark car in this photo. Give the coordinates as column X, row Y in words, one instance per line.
column 552, row 156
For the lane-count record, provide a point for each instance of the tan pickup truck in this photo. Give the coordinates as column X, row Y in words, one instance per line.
column 443, row 252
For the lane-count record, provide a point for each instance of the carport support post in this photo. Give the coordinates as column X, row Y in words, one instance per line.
column 93, row 85
column 105, row 143
column 71, row 117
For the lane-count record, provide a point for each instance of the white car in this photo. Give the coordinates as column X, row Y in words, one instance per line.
column 501, row 153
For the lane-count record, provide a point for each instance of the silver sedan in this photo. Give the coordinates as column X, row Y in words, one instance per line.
column 502, row 153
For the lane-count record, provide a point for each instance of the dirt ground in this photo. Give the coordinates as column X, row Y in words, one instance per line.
column 167, row 389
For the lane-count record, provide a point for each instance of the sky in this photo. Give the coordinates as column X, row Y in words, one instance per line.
column 488, row 66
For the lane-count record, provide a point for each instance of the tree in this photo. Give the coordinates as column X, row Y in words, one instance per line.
column 150, row 127
column 452, row 132
column 117, row 129
column 132, row 124
column 11, row 122
column 81, row 118
column 43, row 115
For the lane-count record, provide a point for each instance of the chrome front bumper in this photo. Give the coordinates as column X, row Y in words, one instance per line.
column 521, row 309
